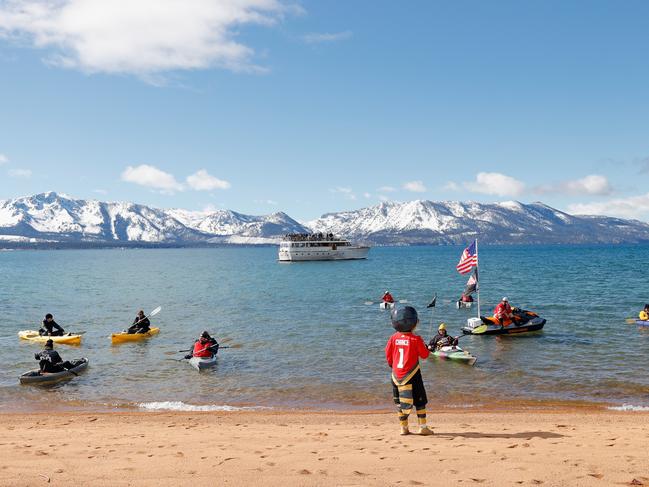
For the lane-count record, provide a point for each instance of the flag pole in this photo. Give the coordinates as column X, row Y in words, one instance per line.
column 477, row 274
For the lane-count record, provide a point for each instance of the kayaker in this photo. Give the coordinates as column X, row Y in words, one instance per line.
column 141, row 324
column 387, row 297
column 205, row 346
column 51, row 327
column 442, row 339
column 503, row 313
column 466, row 298
column 402, row 353
column 50, row 361
column 644, row 314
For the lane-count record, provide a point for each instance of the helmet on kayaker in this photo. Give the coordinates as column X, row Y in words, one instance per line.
column 205, row 334
column 404, row 319
column 386, row 292
column 49, row 316
column 505, row 300
column 49, row 344
column 442, row 326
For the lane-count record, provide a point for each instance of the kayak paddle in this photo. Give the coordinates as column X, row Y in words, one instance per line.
column 220, row 348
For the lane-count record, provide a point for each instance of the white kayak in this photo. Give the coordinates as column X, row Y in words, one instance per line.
column 200, row 363
column 384, row 305
column 38, row 377
column 454, row 353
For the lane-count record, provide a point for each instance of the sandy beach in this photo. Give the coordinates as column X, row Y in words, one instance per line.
column 580, row 448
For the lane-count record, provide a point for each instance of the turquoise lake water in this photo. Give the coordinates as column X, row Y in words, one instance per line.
column 308, row 338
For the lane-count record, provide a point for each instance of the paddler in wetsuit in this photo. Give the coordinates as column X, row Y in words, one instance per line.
column 205, row 346
column 141, row 324
column 503, row 313
column 51, row 327
column 403, row 351
column 644, row 314
column 442, row 339
column 50, row 361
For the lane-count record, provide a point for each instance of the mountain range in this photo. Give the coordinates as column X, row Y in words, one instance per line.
column 53, row 219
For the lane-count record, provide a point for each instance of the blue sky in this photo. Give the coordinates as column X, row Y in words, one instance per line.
column 309, row 107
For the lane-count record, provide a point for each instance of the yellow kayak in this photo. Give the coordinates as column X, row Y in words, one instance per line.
column 33, row 336
column 124, row 337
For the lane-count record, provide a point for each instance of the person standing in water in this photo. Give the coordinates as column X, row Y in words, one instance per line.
column 141, row 324
column 402, row 352
column 50, row 327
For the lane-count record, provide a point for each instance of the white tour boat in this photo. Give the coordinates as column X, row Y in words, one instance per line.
column 319, row 246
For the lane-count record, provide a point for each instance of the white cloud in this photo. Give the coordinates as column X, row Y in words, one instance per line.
column 367, row 195
column 451, row 186
column 201, row 180
column 141, row 37
column 347, row 192
column 386, row 189
column 3, row 159
column 151, row 177
column 414, row 186
column 20, row 173
column 495, row 183
column 631, row 207
column 100, row 191
column 316, row 38
column 593, row 184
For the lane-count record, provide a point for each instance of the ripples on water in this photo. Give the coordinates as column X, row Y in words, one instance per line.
column 308, row 338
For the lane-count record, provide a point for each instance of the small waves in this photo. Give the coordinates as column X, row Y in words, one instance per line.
column 181, row 406
column 628, row 407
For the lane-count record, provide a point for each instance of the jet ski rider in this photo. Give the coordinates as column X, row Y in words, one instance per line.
column 442, row 339
column 503, row 313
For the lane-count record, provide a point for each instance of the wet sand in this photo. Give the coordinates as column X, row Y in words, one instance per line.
column 575, row 448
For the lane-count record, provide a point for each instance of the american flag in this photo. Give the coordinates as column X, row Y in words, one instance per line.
column 469, row 259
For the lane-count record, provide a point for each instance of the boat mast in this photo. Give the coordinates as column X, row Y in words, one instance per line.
column 477, row 275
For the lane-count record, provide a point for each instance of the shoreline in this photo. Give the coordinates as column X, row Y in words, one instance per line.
column 490, row 448
column 513, row 405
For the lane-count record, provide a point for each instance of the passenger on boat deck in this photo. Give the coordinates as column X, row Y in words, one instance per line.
column 50, row 361
column 503, row 313
column 51, row 327
column 644, row 314
column 442, row 339
column 205, row 346
column 387, row 297
column 141, row 324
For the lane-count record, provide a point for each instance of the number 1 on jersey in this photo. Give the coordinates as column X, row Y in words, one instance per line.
column 400, row 363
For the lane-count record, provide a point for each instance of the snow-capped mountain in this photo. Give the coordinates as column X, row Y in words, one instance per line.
column 52, row 217
column 452, row 222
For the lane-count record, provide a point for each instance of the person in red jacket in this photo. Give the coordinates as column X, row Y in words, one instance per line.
column 403, row 351
column 205, row 346
column 387, row 297
column 503, row 312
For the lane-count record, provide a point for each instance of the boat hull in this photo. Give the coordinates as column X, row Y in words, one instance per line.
column 533, row 325
column 34, row 377
column 455, row 354
column 200, row 363
column 33, row 336
column 117, row 338
column 324, row 253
